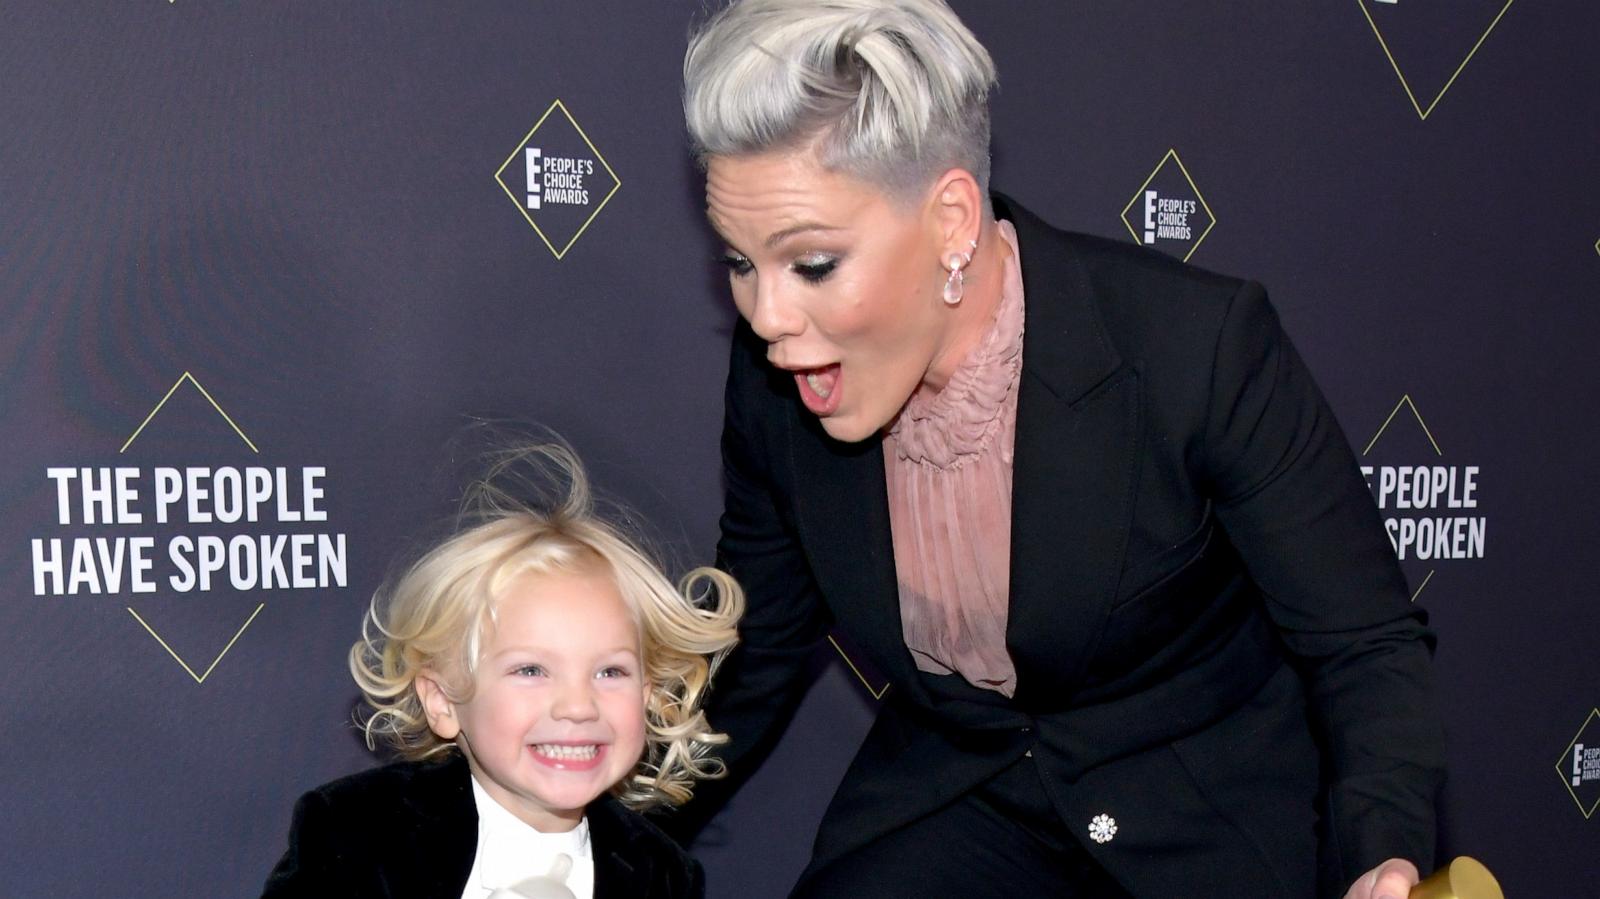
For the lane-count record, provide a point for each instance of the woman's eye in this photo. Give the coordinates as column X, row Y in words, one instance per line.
column 815, row 268
column 737, row 264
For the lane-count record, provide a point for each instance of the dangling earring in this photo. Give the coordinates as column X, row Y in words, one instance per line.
column 956, row 284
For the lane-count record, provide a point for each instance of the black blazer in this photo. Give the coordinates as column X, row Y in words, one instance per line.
column 1213, row 641
column 410, row 829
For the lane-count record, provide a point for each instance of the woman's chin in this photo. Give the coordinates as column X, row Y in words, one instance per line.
column 847, row 428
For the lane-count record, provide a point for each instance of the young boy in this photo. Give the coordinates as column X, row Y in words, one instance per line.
column 541, row 679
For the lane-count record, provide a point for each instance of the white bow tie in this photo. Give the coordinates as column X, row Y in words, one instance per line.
column 551, row 885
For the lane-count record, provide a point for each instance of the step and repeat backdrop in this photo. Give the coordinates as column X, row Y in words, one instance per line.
column 261, row 263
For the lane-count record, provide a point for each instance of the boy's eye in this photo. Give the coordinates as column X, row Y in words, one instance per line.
column 614, row 671
column 529, row 671
column 815, row 268
column 737, row 264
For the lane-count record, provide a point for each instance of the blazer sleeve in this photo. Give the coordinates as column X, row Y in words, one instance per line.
column 1291, row 498
column 760, row 684
column 313, row 864
column 697, row 880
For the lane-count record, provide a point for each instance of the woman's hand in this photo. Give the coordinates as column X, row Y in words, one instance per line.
column 1391, row 880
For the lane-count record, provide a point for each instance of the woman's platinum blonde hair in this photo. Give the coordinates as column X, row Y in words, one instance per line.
column 894, row 92
column 436, row 615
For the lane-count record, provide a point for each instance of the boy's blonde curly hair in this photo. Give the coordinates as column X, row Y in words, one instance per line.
column 435, row 617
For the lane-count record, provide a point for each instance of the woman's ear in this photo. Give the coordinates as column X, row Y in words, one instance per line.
column 437, row 706
column 957, row 210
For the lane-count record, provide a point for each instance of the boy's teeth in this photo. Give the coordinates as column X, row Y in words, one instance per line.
column 571, row 753
column 812, row 380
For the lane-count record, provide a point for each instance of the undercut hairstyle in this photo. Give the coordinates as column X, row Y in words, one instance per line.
column 435, row 617
column 893, row 92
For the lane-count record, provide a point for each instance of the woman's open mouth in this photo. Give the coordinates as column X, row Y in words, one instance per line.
column 819, row 388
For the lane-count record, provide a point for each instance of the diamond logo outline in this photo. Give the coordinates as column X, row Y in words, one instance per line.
column 1564, row 771
column 877, row 692
column 187, row 376
column 616, row 181
column 1172, row 154
column 1406, row 85
column 198, row 678
column 1406, row 401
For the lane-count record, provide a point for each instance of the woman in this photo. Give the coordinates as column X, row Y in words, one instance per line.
column 1082, row 504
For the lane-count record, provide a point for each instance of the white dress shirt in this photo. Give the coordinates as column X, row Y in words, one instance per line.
column 510, row 851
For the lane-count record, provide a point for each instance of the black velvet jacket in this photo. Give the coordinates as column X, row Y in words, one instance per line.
column 410, row 829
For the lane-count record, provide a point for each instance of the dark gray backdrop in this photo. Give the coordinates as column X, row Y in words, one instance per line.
column 297, row 204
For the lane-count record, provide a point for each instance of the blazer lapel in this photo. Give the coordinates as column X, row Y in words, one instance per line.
column 1074, row 469
column 615, row 878
column 842, row 504
column 438, row 856
column 620, row 871
column 1072, row 490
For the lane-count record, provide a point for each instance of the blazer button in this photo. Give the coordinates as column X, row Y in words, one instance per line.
column 1102, row 828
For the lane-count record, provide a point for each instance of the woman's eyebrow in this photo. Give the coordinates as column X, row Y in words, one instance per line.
column 778, row 237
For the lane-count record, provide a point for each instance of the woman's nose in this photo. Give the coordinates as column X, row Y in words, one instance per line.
column 775, row 316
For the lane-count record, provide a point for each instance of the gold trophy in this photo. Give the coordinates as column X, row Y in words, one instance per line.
column 1463, row 878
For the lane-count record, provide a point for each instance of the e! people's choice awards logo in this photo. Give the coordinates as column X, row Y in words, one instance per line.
column 1428, row 44
column 1167, row 212
column 557, row 178
column 1579, row 766
column 161, row 530
column 1430, row 505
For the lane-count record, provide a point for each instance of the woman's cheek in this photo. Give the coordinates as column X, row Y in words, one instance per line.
column 855, row 319
column 741, row 298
